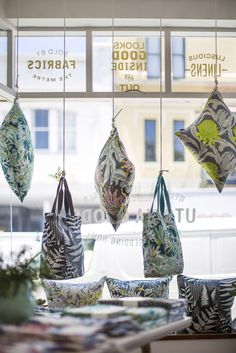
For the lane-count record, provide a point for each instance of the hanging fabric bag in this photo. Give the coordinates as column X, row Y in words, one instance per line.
column 162, row 250
column 62, row 255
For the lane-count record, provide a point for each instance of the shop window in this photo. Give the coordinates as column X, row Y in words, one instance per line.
column 41, row 129
column 150, row 140
column 178, row 57
column 178, row 146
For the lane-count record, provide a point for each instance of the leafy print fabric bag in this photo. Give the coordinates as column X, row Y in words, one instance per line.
column 16, row 151
column 114, row 179
column 212, row 139
column 162, row 250
column 62, row 255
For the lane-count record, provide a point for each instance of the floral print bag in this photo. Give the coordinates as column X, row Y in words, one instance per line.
column 114, row 178
column 162, row 250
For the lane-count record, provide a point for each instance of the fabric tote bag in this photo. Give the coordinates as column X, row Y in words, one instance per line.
column 162, row 250
column 62, row 255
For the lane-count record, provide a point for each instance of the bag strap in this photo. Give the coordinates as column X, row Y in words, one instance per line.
column 63, row 195
column 162, row 196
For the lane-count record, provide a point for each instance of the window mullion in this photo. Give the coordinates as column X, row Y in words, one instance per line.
column 89, row 62
column 167, row 65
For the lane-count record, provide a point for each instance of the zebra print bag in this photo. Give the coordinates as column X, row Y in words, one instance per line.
column 162, row 250
column 62, row 255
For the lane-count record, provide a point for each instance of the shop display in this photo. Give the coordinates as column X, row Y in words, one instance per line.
column 114, row 178
column 157, row 288
column 162, row 250
column 212, row 139
column 62, row 253
column 16, row 151
column 209, row 303
column 61, row 294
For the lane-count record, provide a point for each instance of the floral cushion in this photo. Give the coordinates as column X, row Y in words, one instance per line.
column 63, row 294
column 158, row 288
column 16, row 151
column 212, row 139
column 114, row 179
column 209, row 303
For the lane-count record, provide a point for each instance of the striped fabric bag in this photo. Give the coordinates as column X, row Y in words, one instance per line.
column 62, row 255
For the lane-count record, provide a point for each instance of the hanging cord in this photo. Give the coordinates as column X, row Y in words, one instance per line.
column 17, row 51
column 64, row 98
column 161, row 121
column 113, row 72
column 216, row 48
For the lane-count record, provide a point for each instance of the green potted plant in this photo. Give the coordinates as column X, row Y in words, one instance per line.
column 16, row 285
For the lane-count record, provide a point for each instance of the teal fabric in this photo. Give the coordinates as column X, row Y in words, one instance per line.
column 16, row 151
column 162, row 250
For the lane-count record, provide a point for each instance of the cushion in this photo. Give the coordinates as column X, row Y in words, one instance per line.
column 157, row 288
column 63, row 294
column 209, row 303
column 114, row 179
column 16, row 151
column 212, row 139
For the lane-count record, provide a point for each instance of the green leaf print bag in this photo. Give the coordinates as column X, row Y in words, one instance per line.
column 162, row 250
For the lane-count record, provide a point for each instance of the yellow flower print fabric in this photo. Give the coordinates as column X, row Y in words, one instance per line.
column 16, row 151
column 212, row 139
column 114, row 179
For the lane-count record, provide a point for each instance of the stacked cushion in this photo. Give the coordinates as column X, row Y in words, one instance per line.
column 158, row 288
column 209, row 303
column 61, row 294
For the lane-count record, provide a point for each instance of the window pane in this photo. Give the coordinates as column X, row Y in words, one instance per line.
column 41, row 118
column 41, row 139
column 41, row 63
column 135, row 62
column 178, row 146
column 198, row 61
column 150, row 140
column 3, row 57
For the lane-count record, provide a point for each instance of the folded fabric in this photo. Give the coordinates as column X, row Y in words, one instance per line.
column 158, row 288
column 63, row 294
column 209, row 303
column 16, row 151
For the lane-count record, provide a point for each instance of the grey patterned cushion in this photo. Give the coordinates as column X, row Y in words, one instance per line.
column 154, row 288
column 61, row 294
column 16, row 151
column 114, row 179
column 209, row 303
column 212, row 139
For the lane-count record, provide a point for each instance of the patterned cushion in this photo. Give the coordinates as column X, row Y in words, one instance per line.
column 62, row 294
column 212, row 139
column 16, row 151
column 114, row 179
column 209, row 303
column 158, row 288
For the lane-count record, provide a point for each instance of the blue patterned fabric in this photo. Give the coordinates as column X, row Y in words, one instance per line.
column 154, row 288
column 209, row 303
column 61, row 294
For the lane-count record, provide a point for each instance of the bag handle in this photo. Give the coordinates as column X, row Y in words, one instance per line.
column 63, row 195
column 162, row 196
